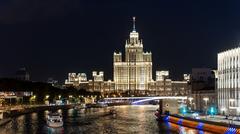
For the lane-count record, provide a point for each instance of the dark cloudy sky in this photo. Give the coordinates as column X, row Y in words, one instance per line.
column 54, row 37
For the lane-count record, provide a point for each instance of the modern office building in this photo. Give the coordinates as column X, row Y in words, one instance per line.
column 135, row 72
column 229, row 81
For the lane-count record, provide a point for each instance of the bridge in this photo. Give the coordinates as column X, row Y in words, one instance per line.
column 166, row 103
column 136, row 100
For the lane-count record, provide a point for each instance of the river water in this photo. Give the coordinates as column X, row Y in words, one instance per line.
column 129, row 120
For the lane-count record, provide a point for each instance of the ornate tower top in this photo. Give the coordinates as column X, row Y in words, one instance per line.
column 134, row 35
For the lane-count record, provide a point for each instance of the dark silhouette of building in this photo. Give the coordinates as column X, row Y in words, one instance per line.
column 22, row 74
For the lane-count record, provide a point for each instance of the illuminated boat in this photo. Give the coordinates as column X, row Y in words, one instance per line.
column 113, row 111
column 54, row 120
column 81, row 106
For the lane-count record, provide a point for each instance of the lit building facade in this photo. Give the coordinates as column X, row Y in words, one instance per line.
column 135, row 73
column 76, row 80
column 97, row 84
column 228, row 85
column 164, row 86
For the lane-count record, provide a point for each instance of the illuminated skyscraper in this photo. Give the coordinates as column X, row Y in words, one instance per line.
column 135, row 73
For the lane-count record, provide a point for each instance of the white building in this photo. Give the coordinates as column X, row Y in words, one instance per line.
column 161, row 75
column 135, row 73
column 168, row 87
column 98, row 77
column 97, row 84
column 186, row 77
column 229, row 81
column 75, row 79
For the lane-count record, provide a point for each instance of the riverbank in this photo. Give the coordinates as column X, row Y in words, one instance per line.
column 13, row 112
column 27, row 110
column 4, row 121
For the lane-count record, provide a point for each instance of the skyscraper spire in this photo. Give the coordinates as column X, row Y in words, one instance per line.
column 134, row 19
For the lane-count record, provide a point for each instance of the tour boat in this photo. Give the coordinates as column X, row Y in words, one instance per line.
column 54, row 120
column 113, row 111
column 80, row 106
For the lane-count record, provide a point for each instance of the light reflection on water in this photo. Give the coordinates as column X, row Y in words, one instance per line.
column 129, row 119
column 184, row 130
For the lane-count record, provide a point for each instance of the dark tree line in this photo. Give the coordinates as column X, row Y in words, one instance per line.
column 40, row 89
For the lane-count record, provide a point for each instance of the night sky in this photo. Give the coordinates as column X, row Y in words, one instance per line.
column 54, row 37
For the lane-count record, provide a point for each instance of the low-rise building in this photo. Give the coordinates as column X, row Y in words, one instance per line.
column 76, row 80
column 163, row 86
column 203, row 93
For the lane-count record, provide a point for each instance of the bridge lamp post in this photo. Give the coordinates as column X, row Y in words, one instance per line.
column 231, row 103
column 46, row 97
column 206, row 99
column 70, row 99
column 46, row 100
column 190, row 100
column 32, row 99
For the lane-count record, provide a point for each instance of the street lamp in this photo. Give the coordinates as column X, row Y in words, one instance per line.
column 223, row 110
column 230, row 103
column 190, row 100
column 33, row 99
column 46, row 101
column 70, row 99
column 47, row 96
column 206, row 100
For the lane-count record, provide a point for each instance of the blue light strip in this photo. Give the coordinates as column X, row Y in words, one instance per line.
column 166, row 118
column 231, row 130
column 200, row 126
column 180, row 122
